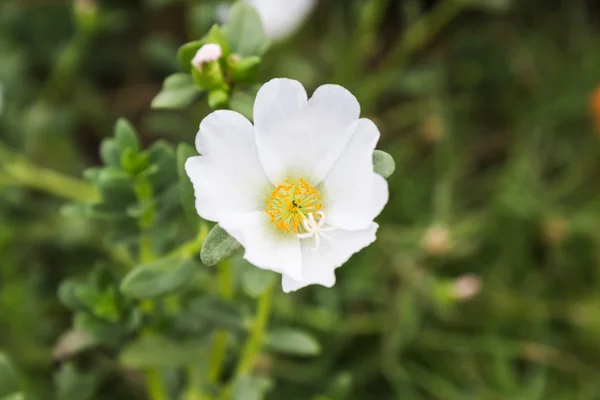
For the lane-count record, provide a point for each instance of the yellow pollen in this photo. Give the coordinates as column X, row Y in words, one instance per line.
column 290, row 203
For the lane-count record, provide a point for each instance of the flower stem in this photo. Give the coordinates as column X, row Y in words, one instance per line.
column 254, row 342
column 155, row 385
column 23, row 172
column 219, row 346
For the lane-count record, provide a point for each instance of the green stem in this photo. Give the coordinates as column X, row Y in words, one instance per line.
column 254, row 342
column 155, row 385
column 221, row 336
column 26, row 174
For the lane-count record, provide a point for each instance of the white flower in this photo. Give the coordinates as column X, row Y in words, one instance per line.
column 265, row 184
column 280, row 18
column 207, row 53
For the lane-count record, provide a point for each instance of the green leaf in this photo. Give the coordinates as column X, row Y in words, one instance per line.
column 244, row 31
column 291, row 341
column 217, row 246
column 186, row 189
column 163, row 160
column 158, row 278
column 383, row 163
column 255, row 280
column 186, row 53
column 8, row 377
column 251, row 387
column 217, row 99
column 178, row 91
column 125, row 136
column 246, row 69
column 160, row 351
column 210, row 312
column 68, row 294
column 101, row 332
column 109, row 153
column 73, row 384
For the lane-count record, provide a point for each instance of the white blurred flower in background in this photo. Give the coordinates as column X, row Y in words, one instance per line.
column 280, row 18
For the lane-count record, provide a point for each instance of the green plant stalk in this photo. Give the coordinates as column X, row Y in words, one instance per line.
column 25, row 173
column 221, row 336
column 254, row 342
column 155, row 385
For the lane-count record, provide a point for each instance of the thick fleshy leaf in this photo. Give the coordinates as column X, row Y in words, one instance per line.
column 158, row 278
column 210, row 312
column 217, row 246
column 125, row 136
column 251, row 387
column 244, row 31
column 292, row 341
column 383, row 163
column 178, row 91
column 186, row 53
column 186, row 189
column 160, row 351
column 109, row 153
column 74, row 384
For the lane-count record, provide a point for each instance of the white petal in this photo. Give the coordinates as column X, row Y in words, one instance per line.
column 299, row 137
column 318, row 266
column 263, row 246
column 227, row 176
column 355, row 194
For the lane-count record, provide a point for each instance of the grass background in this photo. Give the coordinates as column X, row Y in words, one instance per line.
column 486, row 110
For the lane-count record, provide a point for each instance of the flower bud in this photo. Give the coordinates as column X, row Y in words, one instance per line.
column 466, row 287
column 207, row 71
column 208, row 53
column 437, row 240
column 555, row 230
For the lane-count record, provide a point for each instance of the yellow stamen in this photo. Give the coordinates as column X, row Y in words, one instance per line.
column 290, row 203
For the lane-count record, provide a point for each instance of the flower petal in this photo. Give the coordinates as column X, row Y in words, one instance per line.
column 355, row 194
column 227, row 176
column 296, row 136
column 263, row 246
column 318, row 266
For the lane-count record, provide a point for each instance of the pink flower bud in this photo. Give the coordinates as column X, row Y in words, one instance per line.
column 207, row 53
column 466, row 287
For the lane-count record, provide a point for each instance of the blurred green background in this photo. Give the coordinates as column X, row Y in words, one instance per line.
column 485, row 279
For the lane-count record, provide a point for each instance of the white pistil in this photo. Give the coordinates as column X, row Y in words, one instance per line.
column 315, row 229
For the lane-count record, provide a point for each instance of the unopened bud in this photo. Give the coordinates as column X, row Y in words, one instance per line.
column 555, row 230
column 437, row 240
column 466, row 287
column 207, row 53
column 433, row 128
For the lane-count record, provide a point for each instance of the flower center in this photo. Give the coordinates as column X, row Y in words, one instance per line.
column 291, row 202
